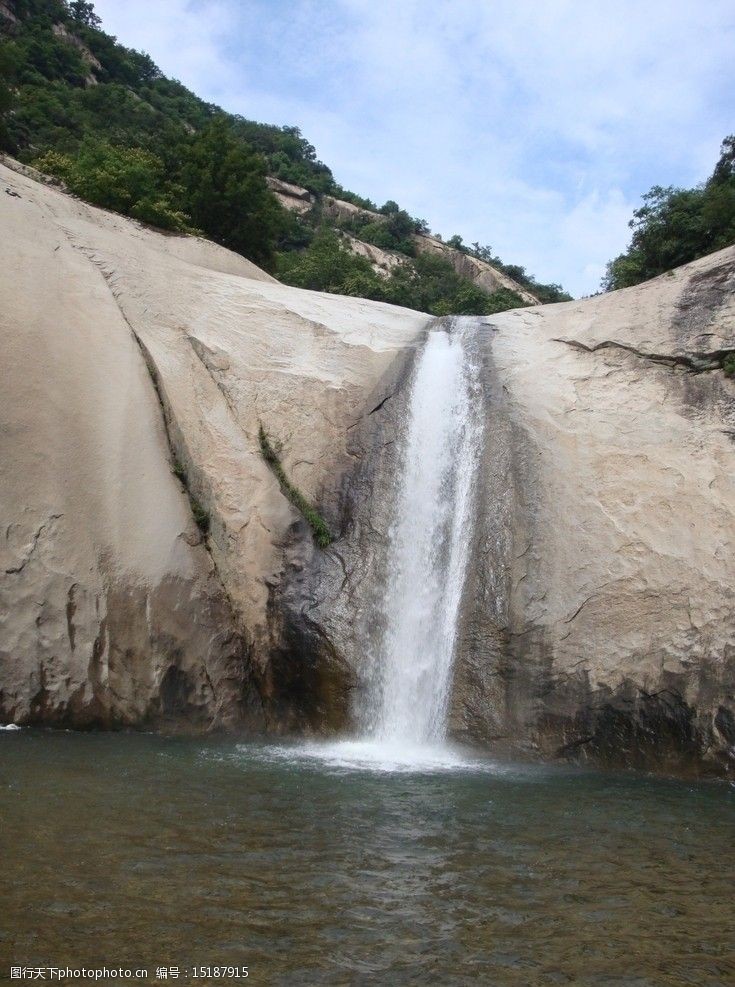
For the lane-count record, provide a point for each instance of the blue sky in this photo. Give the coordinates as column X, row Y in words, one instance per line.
column 533, row 126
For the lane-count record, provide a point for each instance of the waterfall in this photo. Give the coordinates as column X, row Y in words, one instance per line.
column 402, row 713
column 429, row 545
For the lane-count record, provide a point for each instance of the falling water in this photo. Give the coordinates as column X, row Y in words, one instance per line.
column 429, row 545
column 402, row 715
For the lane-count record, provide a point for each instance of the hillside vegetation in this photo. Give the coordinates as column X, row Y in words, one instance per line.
column 104, row 119
column 676, row 225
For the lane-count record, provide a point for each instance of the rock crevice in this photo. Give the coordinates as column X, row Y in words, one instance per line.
column 694, row 362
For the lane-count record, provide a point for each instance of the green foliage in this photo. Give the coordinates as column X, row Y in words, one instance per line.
column 296, row 232
column 135, row 142
column 157, row 210
column 201, row 516
column 59, row 165
column 102, row 116
column 357, row 200
column 501, row 300
column 319, row 527
column 128, row 180
column 401, row 227
column 728, row 365
column 225, row 192
column 8, row 70
column 380, row 235
column 392, row 231
column 429, row 283
column 328, row 266
column 675, row 226
column 546, row 293
column 289, row 156
column 83, row 13
column 432, row 285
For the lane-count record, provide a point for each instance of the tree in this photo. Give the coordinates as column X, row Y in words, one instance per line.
column 226, row 192
column 83, row 13
column 516, row 272
column 327, row 265
column 395, row 232
column 675, row 225
column 550, row 293
column 725, row 168
column 8, row 66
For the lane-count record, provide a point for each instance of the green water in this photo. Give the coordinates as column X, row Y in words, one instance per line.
column 124, row 849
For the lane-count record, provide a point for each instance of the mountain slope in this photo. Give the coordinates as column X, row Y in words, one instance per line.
column 105, row 120
column 342, row 216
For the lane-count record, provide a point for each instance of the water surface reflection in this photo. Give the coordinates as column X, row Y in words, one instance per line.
column 130, row 848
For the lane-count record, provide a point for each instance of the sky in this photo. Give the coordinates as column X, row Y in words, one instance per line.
column 533, row 126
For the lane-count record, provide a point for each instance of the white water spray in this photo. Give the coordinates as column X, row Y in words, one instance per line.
column 430, row 545
column 404, row 714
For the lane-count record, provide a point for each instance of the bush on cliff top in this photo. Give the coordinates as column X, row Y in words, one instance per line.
column 128, row 180
column 675, row 225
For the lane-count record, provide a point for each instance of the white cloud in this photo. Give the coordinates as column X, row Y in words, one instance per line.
column 534, row 127
column 184, row 38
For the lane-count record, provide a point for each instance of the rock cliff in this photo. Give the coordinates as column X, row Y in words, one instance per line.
column 483, row 274
column 601, row 620
column 139, row 370
column 133, row 361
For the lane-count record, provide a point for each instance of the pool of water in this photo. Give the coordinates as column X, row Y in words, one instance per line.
column 340, row 864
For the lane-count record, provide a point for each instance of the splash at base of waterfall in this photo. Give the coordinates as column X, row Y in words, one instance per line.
column 375, row 756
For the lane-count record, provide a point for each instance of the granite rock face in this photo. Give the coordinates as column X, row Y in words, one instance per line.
column 138, row 371
column 600, row 621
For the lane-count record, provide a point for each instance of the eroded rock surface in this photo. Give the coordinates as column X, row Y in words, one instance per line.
column 601, row 623
column 133, row 360
column 138, row 369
